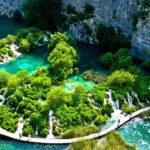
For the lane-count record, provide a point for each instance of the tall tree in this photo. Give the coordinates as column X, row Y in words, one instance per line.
column 43, row 13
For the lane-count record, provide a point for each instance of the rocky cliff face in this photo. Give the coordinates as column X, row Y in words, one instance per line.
column 117, row 13
column 7, row 7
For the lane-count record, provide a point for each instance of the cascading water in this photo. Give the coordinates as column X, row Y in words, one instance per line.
column 136, row 96
column 2, row 97
column 36, row 131
column 20, row 126
column 117, row 104
column 129, row 98
column 117, row 114
column 50, row 135
column 109, row 93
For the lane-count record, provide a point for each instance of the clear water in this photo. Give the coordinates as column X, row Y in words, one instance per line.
column 28, row 62
column 74, row 81
column 137, row 132
column 8, row 26
column 15, row 145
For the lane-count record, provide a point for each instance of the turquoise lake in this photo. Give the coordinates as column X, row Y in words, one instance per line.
column 135, row 132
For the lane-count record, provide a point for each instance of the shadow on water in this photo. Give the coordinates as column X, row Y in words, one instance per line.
column 89, row 55
column 9, row 26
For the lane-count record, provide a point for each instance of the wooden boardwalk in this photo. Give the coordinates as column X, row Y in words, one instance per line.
column 68, row 141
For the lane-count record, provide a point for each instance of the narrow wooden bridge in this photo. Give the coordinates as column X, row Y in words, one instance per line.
column 68, row 141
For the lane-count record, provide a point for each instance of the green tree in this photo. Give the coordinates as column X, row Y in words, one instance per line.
column 4, row 77
column 56, row 97
column 60, row 37
column 41, row 81
column 24, row 45
column 107, row 59
column 121, row 78
column 63, row 60
column 111, row 39
column 45, row 14
column 78, row 94
column 34, row 119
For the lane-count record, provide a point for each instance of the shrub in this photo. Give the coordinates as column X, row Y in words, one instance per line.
column 128, row 109
column 79, row 132
column 4, row 77
column 100, row 120
column 107, row 59
column 28, row 130
column 43, row 132
column 121, row 78
column 8, row 120
column 24, row 45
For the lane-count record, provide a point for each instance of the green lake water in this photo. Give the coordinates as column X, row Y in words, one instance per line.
column 137, row 133
column 28, row 62
column 74, row 81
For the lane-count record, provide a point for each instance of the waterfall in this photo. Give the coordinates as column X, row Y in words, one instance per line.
column 117, row 104
column 17, row 108
column 136, row 96
column 148, row 101
column 50, row 135
column 129, row 98
column 20, row 126
column 36, row 131
column 3, row 98
column 117, row 114
column 125, row 101
column 109, row 93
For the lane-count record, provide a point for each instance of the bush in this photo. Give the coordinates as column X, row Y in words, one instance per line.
column 128, row 109
column 121, row 78
column 43, row 132
column 41, row 81
column 107, row 109
column 100, row 120
column 79, row 132
column 8, row 120
column 107, row 59
column 28, row 130
column 24, row 45
column 84, row 145
column 4, row 77
column 11, row 39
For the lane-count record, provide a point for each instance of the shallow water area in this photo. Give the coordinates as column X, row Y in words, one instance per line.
column 137, row 132
column 71, row 83
column 30, row 62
